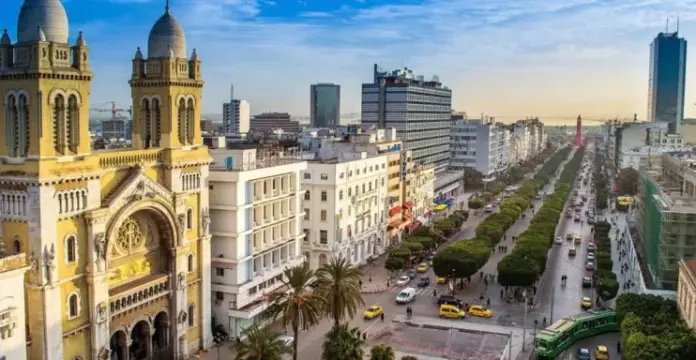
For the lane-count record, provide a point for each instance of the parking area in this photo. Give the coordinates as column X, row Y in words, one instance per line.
column 444, row 343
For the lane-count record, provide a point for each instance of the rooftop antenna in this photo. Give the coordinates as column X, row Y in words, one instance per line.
column 666, row 24
column 677, row 24
column 166, row 6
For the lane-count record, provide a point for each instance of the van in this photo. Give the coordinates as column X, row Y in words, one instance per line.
column 451, row 312
column 406, row 295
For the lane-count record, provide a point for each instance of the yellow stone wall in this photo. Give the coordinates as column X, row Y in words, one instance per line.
column 12, row 228
column 194, row 333
column 72, row 226
column 77, row 345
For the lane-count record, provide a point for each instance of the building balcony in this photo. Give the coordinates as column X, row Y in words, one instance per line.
column 137, row 293
column 364, row 195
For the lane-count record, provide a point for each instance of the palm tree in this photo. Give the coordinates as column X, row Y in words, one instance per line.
column 381, row 352
column 261, row 343
column 339, row 286
column 295, row 303
column 343, row 343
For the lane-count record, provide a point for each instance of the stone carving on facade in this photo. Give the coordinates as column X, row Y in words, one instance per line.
column 101, row 312
column 130, row 234
column 205, row 221
column 103, row 354
column 182, row 316
column 34, row 262
column 49, row 262
column 139, row 192
column 182, row 226
column 100, row 245
column 181, row 280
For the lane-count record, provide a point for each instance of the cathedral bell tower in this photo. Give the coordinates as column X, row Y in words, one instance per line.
column 166, row 90
column 44, row 87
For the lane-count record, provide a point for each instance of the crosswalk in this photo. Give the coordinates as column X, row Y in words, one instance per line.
column 419, row 290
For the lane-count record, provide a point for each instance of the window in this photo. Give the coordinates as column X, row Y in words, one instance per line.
column 323, row 196
column 324, row 176
column 70, row 249
column 363, row 188
column 306, row 195
column 189, row 262
column 323, row 236
column 323, row 215
column 190, row 315
column 219, row 271
column 341, row 175
column 306, row 234
column 340, row 195
column 189, row 219
column 16, row 245
column 306, row 214
column 219, row 296
column 73, row 306
column 307, row 176
column 350, row 192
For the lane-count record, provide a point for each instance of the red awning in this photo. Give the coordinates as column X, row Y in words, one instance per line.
column 413, row 225
column 395, row 210
column 427, row 213
column 408, row 204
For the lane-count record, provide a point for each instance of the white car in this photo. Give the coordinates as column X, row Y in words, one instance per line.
column 403, row 281
column 558, row 240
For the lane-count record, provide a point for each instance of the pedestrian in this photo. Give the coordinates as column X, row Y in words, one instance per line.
column 488, row 302
column 365, row 336
column 434, row 292
column 381, row 317
column 360, row 283
column 359, row 333
column 481, row 275
column 486, row 282
column 501, row 293
column 543, row 322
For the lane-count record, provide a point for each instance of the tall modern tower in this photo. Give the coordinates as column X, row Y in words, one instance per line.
column 578, row 132
column 419, row 109
column 325, row 105
column 236, row 115
column 667, row 78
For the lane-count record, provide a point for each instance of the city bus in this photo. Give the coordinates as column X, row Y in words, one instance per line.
column 556, row 338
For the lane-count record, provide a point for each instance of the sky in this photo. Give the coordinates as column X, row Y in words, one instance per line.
column 506, row 58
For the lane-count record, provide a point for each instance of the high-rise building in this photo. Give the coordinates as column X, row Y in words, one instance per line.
column 325, row 105
column 236, row 115
column 480, row 144
column 667, row 80
column 117, row 241
column 419, row 110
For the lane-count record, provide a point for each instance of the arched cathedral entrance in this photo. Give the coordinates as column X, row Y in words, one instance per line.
column 141, row 289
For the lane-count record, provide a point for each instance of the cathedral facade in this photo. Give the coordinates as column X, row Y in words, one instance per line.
column 117, row 240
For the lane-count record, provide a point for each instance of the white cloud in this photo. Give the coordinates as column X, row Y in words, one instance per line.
column 477, row 47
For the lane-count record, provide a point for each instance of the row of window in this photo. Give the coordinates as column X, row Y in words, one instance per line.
column 325, row 176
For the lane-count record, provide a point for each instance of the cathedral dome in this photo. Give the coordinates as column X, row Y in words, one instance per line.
column 166, row 34
column 49, row 15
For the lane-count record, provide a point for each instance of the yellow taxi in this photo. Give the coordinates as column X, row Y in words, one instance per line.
column 586, row 303
column 451, row 312
column 423, row 267
column 373, row 311
column 601, row 352
column 480, row 311
column 441, row 280
column 578, row 239
column 570, row 236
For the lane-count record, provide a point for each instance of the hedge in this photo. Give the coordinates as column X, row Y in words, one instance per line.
column 527, row 260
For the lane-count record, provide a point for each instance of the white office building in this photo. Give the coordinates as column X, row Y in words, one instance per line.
column 528, row 139
column 13, row 334
column 236, row 115
column 481, row 145
column 256, row 226
column 345, row 204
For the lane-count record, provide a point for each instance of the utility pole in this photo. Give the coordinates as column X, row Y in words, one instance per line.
column 553, row 297
column 524, row 322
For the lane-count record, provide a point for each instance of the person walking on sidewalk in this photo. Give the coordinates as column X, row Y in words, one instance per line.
column 382, row 317
column 501, row 293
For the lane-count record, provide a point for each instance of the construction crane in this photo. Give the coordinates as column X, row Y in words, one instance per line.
column 114, row 110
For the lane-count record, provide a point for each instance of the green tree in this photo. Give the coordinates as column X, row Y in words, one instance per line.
column 394, row 263
column 339, row 287
column 462, row 259
column 476, row 204
column 260, row 343
column 473, row 179
column 627, row 181
column 409, row 357
column 342, row 343
column 607, row 288
column 382, row 352
column 295, row 305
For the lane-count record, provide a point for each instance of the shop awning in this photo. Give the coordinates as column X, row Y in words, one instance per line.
column 440, row 207
column 408, row 204
column 438, row 201
column 413, row 225
column 395, row 210
column 449, row 202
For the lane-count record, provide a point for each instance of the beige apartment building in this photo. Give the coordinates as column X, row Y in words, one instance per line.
column 686, row 291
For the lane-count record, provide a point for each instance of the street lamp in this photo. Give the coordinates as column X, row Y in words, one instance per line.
column 524, row 322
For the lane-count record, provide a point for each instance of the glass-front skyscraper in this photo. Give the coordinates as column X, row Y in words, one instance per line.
column 325, row 105
column 667, row 80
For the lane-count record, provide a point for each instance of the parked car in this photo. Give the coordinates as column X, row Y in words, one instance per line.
column 411, row 273
column 586, row 282
column 424, row 281
column 558, row 240
column 589, row 265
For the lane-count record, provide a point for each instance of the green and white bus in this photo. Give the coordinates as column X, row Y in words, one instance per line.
column 556, row 338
